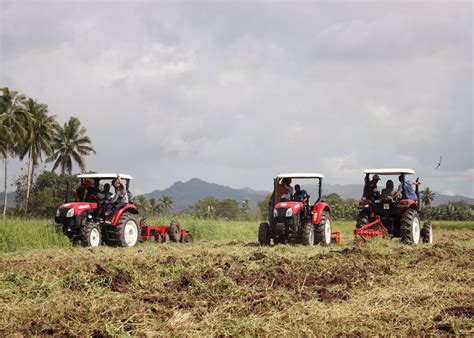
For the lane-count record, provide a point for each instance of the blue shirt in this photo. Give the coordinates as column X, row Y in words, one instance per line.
column 407, row 190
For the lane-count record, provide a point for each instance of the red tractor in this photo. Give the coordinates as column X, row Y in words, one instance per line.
column 86, row 219
column 293, row 218
column 391, row 213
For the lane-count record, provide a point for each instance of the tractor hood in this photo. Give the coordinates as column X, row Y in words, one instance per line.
column 295, row 207
column 78, row 207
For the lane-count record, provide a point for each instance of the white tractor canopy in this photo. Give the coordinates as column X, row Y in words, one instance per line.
column 300, row 175
column 390, row 171
column 105, row 176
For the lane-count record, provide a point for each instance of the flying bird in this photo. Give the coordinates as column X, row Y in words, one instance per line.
column 439, row 163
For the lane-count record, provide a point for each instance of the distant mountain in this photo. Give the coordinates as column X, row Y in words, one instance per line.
column 187, row 193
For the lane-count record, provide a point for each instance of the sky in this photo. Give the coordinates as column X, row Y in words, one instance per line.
column 236, row 92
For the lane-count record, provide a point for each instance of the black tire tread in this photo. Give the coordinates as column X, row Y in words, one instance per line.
column 406, row 223
column 85, row 233
column 308, row 233
column 124, row 218
column 174, row 231
column 319, row 229
column 263, row 234
column 362, row 219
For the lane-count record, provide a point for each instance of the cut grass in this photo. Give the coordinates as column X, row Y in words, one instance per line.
column 239, row 288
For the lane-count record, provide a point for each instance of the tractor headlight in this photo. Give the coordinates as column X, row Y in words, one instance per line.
column 70, row 213
column 289, row 212
column 275, row 213
column 57, row 212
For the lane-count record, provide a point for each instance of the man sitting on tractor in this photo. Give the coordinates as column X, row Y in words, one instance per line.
column 300, row 195
column 120, row 198
column 387, row 192
column 284, row 190
column 406, row 190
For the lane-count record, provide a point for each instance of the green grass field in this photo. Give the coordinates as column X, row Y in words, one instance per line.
column 26, row 234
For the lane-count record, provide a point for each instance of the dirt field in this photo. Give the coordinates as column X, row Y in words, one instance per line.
column 234, row 288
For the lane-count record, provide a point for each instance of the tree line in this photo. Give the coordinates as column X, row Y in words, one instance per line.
column 153, row 206
column 29, row 132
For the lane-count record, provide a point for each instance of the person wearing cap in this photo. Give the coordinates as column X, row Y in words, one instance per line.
column 370, row 189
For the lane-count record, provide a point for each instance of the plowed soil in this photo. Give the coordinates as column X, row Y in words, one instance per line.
column 239, row 288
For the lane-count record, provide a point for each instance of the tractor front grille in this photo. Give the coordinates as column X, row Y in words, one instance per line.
column 280, row 218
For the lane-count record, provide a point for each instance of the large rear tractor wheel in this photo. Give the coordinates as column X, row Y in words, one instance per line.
column 264, row 234
column 308, row 234
column 427, row 233
column 323, row 231
column 362, row 219
column 128, row 230
column 174, row 231
column 91, row 235
column 410, row 227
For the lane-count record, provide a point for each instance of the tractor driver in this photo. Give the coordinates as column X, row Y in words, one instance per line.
column 300, row 195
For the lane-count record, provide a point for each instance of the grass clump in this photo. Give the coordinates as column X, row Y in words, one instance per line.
column 27, row 234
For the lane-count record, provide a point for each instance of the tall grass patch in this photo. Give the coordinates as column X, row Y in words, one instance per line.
column 26, row 234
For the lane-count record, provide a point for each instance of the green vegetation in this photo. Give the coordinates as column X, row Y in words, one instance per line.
column 28, row 131
column 26, row 234
column 457, row 211
column 237, row 288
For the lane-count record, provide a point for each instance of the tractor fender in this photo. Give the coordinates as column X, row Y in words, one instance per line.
column 318, row 209
column 130, row 208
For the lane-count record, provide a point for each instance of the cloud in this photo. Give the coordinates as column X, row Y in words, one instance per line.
column 235, row 92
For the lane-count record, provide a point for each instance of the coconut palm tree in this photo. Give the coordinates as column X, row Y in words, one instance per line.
column 142, row 204
column 70, row 143
column 166, row 203
column 11, row 129
column 39, row 129
column 427, row 196
column 155, row 207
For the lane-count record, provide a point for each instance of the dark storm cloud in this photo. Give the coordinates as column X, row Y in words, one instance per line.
column 234, row 92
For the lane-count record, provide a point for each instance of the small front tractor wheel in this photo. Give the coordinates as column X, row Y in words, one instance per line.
column 362, row 219
column 174, row 231
column 91, row 235
column 128, row 230
column 188, row 238
column 427, row 233
column 410, row 227
column 264, row 234
column 308, row 234
column 323, row 231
